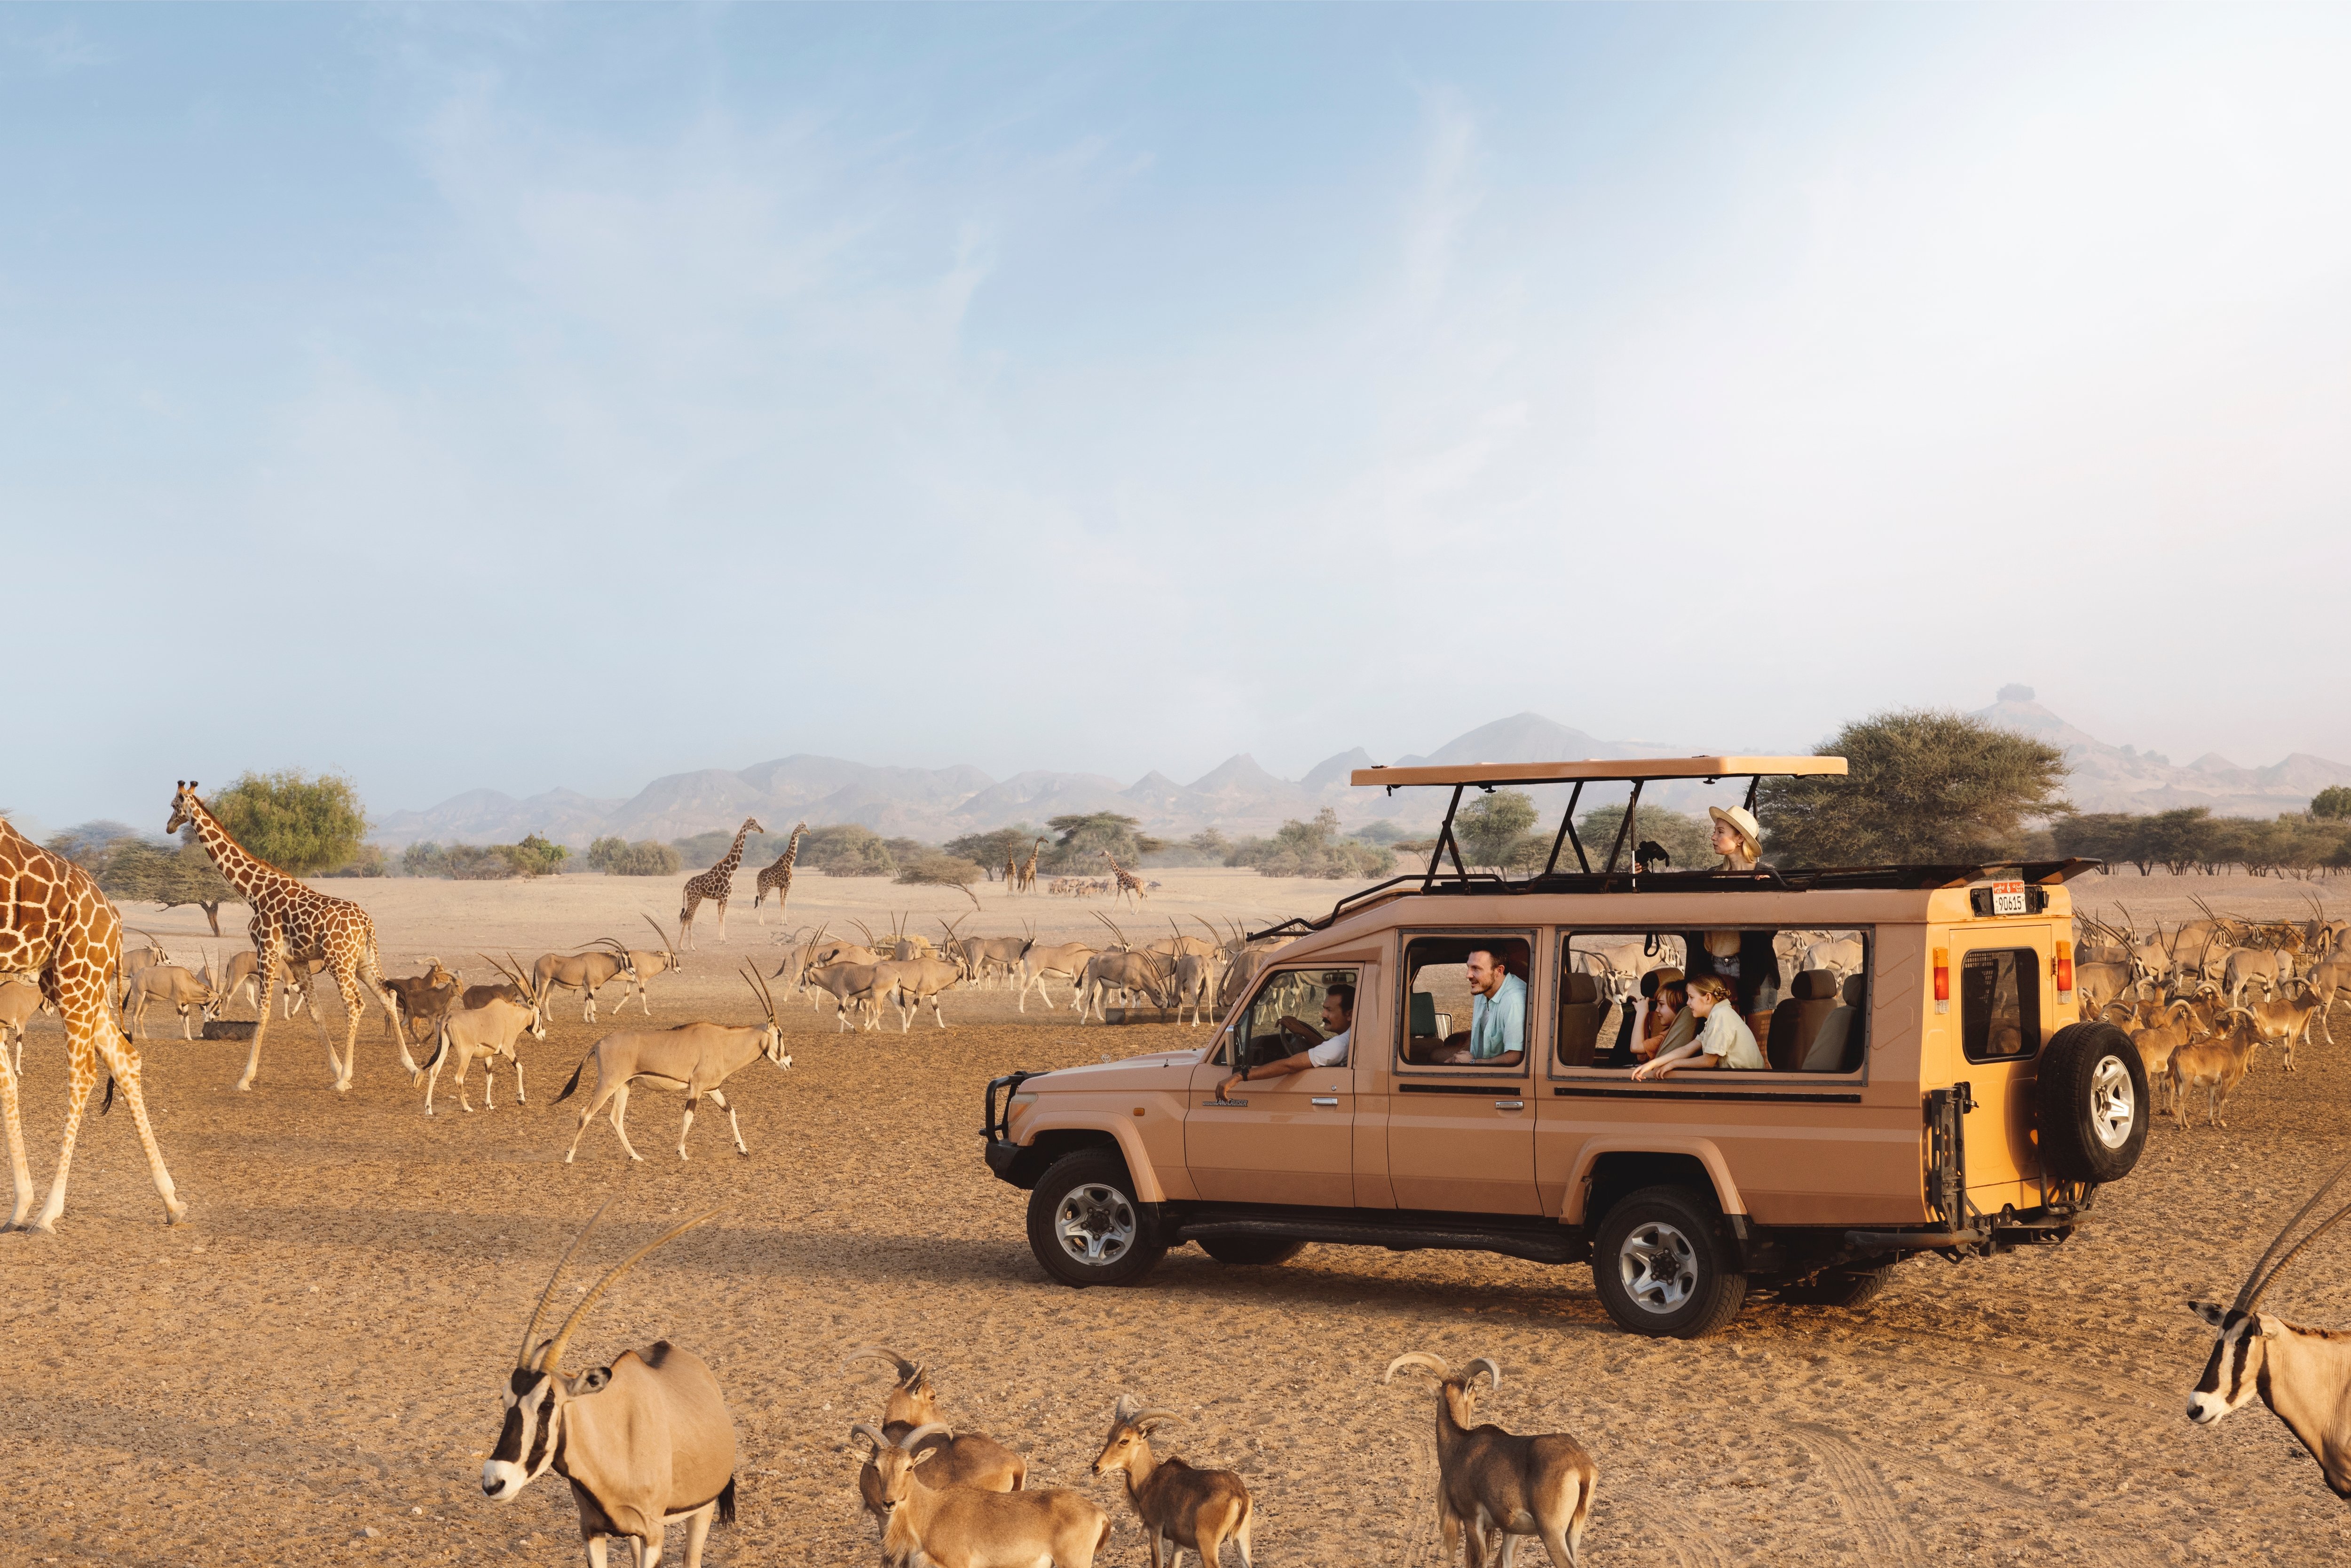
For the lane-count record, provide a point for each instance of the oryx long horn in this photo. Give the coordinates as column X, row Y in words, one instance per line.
column 2257, row 1282
column 552, row 1360
column 657, row 929
column 759, row 992
column 1421, row 1359
column 522, row 1358
column 1493, row 1369
column 905, row 1369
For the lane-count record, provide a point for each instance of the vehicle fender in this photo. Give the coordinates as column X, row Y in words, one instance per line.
column 1126, row 1130
column 1726, row 1191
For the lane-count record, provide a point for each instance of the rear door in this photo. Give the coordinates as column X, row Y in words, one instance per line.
column 1461, row 1135
column 1285, row 1140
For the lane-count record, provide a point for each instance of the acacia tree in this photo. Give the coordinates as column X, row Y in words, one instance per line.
column 1490, row 828
column 297, row 823
column 1084, row 837
column 2333, row 802
column 1925, row 787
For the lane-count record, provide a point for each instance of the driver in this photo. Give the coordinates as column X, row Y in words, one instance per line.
column 1338, row 1015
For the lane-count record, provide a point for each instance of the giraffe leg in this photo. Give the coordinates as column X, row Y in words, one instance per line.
column 722, row 919
column 273, row 945
column 123, row 1063
column 16, row 1160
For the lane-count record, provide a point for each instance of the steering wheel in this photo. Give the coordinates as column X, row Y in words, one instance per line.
column 1301, row 1030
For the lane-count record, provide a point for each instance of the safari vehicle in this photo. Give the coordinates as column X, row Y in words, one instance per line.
column 1928, row 1088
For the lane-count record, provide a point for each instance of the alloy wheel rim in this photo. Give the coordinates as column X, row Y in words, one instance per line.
column 2113, row 1105
column 1095, row 1224
column 1657, row 1266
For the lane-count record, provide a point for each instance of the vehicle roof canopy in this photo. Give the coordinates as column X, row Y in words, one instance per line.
column 1617, row 770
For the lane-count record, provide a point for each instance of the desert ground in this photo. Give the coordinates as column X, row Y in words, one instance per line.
column 308, row 1369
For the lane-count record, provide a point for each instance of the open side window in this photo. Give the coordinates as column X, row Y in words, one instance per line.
column 1295, row 1011
column 1468, row 1000
column 1625, row 994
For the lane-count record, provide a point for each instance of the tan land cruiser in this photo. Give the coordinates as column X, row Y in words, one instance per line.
column 1924, row 1085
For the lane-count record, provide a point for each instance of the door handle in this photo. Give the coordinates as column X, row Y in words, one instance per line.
column 1331, row 1101
column 1509, row 1104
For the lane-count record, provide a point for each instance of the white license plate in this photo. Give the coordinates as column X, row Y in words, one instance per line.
column 2008, row 898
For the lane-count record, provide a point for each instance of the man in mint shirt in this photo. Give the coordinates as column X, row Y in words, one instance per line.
column 1497, row 1016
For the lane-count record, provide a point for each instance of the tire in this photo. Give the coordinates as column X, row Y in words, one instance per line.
column 1851, row 1289
column 1086, row 1225
column 2092, row 1103
column 1663, row 1267
column 1251, row 1251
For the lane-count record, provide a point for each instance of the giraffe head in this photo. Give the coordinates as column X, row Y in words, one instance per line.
column 185, row 806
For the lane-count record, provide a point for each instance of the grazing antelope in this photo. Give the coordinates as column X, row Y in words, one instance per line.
column 489, row 1031
column 646, row 1443
column 645, row 964
column 2216, row 1066
column 2304, row 1375
column 135, row 959
column 962, row 1527
column 716, row 884
column 1491, row 1479
column 244, row 966
column 1132, row 974
column 2243, row 967
column 193, row 995
column 969, row 1460
column 695, row 1056
column 585, row 971
column 1191, row 1509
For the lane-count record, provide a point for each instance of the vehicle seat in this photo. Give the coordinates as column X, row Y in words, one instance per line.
column 1796, row 1022
column 1840, row 1035
column 1581, row 1013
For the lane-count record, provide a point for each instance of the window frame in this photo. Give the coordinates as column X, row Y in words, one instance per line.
column 1717, row 1081
column 2030, row 962
column 1538, row 1001
column 1225, row 1052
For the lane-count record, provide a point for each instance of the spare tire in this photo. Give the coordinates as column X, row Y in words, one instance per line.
column 2092, row 1103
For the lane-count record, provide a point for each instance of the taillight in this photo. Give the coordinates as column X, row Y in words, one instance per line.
column 2064, row 966
column 1942, row 979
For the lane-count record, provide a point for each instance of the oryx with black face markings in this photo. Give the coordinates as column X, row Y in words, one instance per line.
column 2304, row 1375
column 646, row 1442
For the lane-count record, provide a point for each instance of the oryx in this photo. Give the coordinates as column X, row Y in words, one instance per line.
column 695, row 1056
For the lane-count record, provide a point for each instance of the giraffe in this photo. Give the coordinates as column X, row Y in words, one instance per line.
column 57, row 925
column 1129, row 885
column 1028, row 871
column 715, row 884
column 295, row 923
column 1011, row 871
column 777, row 877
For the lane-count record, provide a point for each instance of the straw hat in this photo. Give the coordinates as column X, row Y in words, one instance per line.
column 1740, row 820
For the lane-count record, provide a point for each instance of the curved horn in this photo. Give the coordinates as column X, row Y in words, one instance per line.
column 872, row 1434
column 905, row 1369
column 914, row 1439
column 1124, row 1410
column 1421, row 1359
column 522, row 1357
column 759, row 993
column 2259, row 1280
column 1493, row 1369
column 1140, row 1416
column 553, row 1360
column 657, row 930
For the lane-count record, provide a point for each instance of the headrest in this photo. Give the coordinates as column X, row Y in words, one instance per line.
column 1658, row 979
column 1583, row 989
column 1856, row 988
column 1814, row 986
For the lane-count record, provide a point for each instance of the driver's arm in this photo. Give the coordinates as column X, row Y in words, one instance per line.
column 1264, row 1069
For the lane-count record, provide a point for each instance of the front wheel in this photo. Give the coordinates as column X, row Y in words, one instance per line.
column 1086, row 1225
column 1663, row 1267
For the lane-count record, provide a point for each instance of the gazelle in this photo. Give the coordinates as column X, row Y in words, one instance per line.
column 967, row 1460
column 490, row 1031
column 695, row 1057
column 646, row 1442
column 2304, row 1375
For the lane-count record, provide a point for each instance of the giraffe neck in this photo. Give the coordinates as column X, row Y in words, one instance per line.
column 792, row 848
column 247, row 872
column 735, row 855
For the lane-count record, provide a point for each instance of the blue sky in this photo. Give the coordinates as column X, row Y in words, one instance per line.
column 516, row 397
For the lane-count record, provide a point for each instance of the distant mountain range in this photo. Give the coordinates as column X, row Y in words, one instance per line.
column 1237, row 795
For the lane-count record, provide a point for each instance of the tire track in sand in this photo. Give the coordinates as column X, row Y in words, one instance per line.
column 1866, row 1503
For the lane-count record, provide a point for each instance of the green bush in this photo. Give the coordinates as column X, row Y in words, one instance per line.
column 940, row 869
column 1688, row 840
column 2334, row 802
column 297, row 823
column 535, row 856
column 615, row 856
column 847, row 849
column 1078, row 851
column 1312, row 849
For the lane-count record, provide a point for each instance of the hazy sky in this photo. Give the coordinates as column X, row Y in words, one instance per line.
column 518, row 397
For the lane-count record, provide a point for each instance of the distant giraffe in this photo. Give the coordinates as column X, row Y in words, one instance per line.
column 1028, row 871
column 715, row 884
column 1012, row 870
column 1129, row 885
column 295, row 923
column 777, row 877
column 55, row 925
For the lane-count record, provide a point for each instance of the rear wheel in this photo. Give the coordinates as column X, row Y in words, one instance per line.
column 1086, row 1225
column 2093, row 1102
column 1663, row 1267
column 1251, row 1250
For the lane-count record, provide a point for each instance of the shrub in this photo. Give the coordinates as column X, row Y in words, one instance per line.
column 535, row 856
column 1926, row 786
column 847, row 849
column 1312, row 849
column 297, row 823
column 940, row 869
column 1687, row 838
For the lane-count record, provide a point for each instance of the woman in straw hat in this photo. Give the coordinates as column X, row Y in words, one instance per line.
column 1738, row 838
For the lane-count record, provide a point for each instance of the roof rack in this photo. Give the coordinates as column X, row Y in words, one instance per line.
column 1638, row 773
column 1762, row 879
